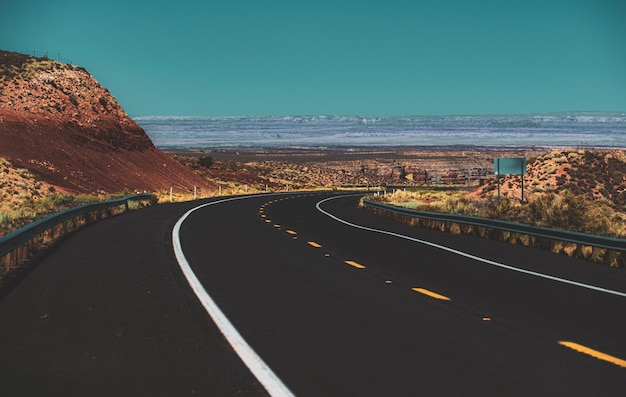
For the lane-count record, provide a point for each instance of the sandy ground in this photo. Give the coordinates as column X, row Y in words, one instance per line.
column 376, row 164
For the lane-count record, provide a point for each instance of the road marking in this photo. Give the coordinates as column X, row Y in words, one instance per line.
column 314, row 244
column 355, row 264
column 465, row 254
column 276, row 225
column 594, row 353
column 291, row 232
column 264, row 374
column 431, row 294
column 268, row 221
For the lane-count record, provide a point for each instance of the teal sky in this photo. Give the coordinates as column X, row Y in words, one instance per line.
column 365, row 57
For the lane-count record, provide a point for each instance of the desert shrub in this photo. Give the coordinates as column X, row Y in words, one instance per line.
column 57, row 200
column 550, row 169
column 616, row 174
column 561, row 160
column 565, row 211
column 572, row 157
column 505, row 210
column 569, row 212
column 463, row 206
column 546, row 211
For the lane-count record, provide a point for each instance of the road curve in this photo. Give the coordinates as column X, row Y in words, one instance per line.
column 109, row 313
column 330, row 308
column 338, row 310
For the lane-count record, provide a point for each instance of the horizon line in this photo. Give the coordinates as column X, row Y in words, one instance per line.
column 623, row 113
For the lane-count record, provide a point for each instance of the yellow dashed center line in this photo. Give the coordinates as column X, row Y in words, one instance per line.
column 268, row 221
column 355, row 264
column 431, row 294
column 594, row 353
column 314, row 244
column 291, row 232
column 277, row 226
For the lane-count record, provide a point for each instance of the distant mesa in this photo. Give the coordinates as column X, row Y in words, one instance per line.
column 58, row 122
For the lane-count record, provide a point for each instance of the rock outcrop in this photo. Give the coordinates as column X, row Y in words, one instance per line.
column 58, row 122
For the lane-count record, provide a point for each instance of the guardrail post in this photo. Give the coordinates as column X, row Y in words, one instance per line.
column 21, row 254
column 6, row 259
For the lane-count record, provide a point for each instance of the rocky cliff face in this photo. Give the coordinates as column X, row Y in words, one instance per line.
column 57, row 121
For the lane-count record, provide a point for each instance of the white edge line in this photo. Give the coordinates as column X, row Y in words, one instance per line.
column 263, row 373
column 465, row 254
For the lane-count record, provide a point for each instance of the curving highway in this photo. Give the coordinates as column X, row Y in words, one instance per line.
column 306, row 294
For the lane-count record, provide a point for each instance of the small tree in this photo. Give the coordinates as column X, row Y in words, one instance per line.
column 205, row 161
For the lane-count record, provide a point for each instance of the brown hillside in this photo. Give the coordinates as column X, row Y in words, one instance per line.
column 58, row 122
column 598, row 175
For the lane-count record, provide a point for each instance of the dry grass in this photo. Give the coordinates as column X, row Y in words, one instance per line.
column 24, row 198
column 448, row 200
column 577, row 190
column 17, row 187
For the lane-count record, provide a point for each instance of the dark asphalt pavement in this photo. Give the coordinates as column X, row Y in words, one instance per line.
column 110, row 313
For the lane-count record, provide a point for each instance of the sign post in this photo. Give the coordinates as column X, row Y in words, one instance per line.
column 509, row 166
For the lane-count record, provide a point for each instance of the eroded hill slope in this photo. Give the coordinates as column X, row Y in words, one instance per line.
column 58, row 122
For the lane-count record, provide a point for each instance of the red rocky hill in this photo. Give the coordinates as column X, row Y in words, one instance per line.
column 58, row 122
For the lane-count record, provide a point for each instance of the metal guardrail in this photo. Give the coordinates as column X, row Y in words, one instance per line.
column 15, row 246
column 610, row 243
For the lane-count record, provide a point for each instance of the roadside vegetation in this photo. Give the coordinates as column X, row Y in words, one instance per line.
column 563, row 210
column 577, row 190
column 24, row 198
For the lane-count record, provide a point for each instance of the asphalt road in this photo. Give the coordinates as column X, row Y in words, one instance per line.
column 330, row 308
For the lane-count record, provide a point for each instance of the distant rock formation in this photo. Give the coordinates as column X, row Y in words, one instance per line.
column 58, row 122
